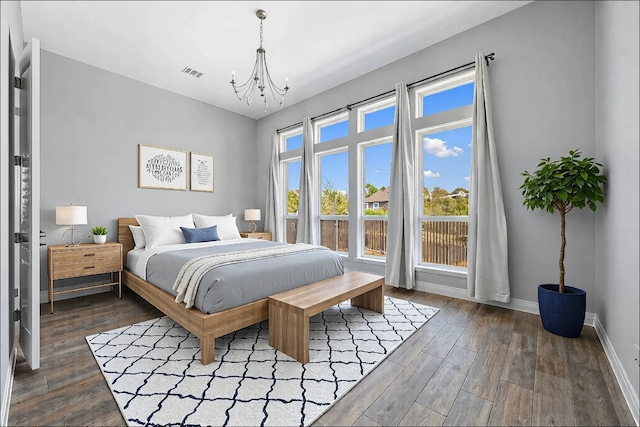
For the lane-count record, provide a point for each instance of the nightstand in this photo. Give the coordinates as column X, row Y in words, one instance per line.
column 264, row 235
column 64, row 262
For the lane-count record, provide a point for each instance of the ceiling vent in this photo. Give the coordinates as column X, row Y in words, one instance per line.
column 190, row 71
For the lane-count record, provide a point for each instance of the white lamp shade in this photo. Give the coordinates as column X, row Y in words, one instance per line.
column 252, row 214
column 71, row 215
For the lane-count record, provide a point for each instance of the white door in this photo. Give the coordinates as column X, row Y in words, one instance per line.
column 7, row 352
column 29, row 203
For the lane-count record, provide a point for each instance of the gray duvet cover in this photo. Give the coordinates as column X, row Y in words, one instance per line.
column 236, row 284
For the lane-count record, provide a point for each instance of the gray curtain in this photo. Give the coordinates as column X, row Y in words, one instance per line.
column 487, row 271
column 401, row 230
column 272, row 215
column 307, row 205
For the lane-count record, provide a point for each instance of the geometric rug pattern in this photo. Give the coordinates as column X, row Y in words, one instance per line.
column 154, row 372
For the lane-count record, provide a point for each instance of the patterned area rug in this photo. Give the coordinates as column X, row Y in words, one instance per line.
column 153, row 368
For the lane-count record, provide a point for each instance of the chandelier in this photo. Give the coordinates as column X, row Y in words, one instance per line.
column 259, row 78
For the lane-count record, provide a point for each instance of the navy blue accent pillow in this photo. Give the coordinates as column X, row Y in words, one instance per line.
column 195, row 235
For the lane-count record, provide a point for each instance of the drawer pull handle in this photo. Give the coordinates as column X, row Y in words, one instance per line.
column 89, row 267
column 260, row 237
column 89, row 254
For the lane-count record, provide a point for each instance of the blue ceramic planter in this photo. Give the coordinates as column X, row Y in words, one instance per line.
column 562, row 314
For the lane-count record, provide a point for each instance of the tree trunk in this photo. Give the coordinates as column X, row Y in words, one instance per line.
column 562, row 246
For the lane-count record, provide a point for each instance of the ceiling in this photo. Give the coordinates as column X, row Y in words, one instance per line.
column 316, row 44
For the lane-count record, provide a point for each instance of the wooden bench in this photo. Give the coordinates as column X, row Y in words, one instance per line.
column 289, row 311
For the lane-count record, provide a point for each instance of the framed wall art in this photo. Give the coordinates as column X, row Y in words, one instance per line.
column 160, row 167
column 202, row 172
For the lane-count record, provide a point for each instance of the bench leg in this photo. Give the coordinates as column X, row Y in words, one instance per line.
column 289, row 331
column 206, row 349
column 372, row 300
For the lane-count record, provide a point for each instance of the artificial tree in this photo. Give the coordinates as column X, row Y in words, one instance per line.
column 561, row 185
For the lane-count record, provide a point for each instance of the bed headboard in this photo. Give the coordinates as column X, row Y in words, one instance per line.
column 125, row 237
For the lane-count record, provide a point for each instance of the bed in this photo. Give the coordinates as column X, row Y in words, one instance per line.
column 206, row 326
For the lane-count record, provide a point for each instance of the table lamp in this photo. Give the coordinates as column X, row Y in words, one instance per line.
column 71, row 215
column 252, row 215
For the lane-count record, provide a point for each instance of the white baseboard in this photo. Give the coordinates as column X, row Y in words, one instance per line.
column 623, row 379
column 448, row 291
column 514, row 304
column 6, row 398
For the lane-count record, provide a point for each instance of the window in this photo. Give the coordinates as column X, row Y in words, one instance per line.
column 448, row 99
column 446, row 161
column 441, row 119
column 446, row 94
column 334, row 200
column 292, row 198
column 292, row 142
column 446, row 165
column 376, row 115
column 376, row 169
column 332, row 128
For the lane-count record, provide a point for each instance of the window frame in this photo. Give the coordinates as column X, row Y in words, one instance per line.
column 438, row 86
column 372, row 108
column 361, row 246
column 419, row 135
column 318, row 179
column 283, row 140
column 286, row 157
column 326, row 122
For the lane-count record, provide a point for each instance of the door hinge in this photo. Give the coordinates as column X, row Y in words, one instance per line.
column 17, row 111
column 21, row 237
column 17, row 315
column 17, row 82
column 15, row 292
column 17, row 160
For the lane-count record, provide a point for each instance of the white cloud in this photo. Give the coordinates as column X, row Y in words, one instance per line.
column 439, row 148
column 430, row 174
column 467, row 178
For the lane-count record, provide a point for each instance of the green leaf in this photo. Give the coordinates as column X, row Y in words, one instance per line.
column 565, row 182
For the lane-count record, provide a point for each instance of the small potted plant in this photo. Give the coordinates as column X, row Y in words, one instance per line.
column 99, row 234
column 561, row 185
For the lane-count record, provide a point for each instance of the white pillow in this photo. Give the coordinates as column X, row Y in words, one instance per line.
column 164, row 230
column 227, row 228
column 138, row 236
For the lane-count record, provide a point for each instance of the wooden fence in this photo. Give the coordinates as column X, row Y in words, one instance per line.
column 443, row 242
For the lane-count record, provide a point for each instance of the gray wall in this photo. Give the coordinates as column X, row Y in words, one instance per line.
column 617, row 136
column 543, row 105
column 92, row 123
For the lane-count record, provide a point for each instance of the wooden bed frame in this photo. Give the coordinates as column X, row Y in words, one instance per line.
column 207, row 327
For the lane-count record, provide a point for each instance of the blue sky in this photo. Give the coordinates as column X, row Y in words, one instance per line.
column 446, row 155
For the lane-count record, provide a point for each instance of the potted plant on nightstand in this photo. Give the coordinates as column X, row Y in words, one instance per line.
column 561, row 185
column 99, row 234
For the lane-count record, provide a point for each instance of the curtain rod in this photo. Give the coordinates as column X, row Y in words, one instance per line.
column 489, row 57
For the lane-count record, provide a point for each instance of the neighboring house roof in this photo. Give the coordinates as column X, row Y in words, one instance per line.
column 378, row 196
column 458, row 194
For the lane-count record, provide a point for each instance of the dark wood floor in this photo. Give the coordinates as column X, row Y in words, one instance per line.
column 471, row 364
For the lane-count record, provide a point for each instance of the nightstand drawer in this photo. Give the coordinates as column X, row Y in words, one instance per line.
column 264, row 235
column 85, row 268
column 85, row 254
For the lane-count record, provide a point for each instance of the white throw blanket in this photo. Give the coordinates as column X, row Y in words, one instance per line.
column 192, row 271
